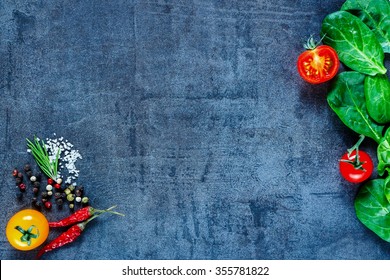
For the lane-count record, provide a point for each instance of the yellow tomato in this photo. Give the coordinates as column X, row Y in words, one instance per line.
column 27, row 229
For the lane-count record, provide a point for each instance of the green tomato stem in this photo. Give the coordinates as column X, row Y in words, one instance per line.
column 356, row 162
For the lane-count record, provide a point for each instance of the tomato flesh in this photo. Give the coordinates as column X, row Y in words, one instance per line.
column 318, row 65
column 353, row 174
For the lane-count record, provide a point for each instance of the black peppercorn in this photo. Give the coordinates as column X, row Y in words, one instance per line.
column 29, row 173
column 78, row 193
column 38, row 176
column 44, row 195
column 27, row 167
column 59, row 201
column 57, row 195
column 18, row 181
column 19, row 196
column 37, row 184
column 36, row 204
column 35, row 191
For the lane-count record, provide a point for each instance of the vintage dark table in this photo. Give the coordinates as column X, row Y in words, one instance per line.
column 191, row 117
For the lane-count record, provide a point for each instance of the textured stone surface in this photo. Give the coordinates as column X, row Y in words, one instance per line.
column 191, row 117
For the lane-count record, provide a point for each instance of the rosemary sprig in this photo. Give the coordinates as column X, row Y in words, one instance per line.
column 41, row 156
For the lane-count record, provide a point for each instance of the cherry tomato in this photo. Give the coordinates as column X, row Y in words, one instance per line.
column 356, row 171
column 27, row 229
column 319, row 64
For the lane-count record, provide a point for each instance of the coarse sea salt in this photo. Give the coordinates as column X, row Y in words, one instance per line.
column 67, row 157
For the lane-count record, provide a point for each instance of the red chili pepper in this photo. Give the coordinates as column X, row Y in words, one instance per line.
column 81, row 215
column 74, row 231
column 67, row 237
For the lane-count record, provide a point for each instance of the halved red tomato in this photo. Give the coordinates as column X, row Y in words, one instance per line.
column 318, row 64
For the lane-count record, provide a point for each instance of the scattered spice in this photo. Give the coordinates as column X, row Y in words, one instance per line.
column 68, row 157
column 35, row 191
column 70, row 197
column 48, row 205
column 22, row 187
column 85, row 200
column 18, row 181
column 27, row 167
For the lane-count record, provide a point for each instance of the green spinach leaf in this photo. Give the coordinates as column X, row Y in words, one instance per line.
column 377, row 93
column 383, row 153
column 387, row 189
column 357, row 46
column 373, row 209
column 346, row 98
column 376, row 15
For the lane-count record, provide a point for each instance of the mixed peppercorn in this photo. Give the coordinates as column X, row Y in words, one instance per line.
column 54, row 191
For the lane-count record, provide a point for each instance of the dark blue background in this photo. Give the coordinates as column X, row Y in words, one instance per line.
column 191, row 117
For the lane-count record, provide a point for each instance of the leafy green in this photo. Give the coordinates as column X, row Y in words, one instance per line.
column 357, row 46
column 377, row 93
column 376, row 15
column 383, row 153
column 346, row 98
column 373, row 209
column 387, row 189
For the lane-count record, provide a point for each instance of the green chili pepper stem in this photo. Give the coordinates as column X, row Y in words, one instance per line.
column 108, row 210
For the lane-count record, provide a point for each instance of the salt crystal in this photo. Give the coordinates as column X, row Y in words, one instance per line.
column 68, row 156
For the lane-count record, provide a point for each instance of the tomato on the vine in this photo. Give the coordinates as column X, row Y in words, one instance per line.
column 318, row 64
column 27, row 229
column 356, row 169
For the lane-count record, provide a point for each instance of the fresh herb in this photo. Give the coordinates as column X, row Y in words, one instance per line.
column 41, row 156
